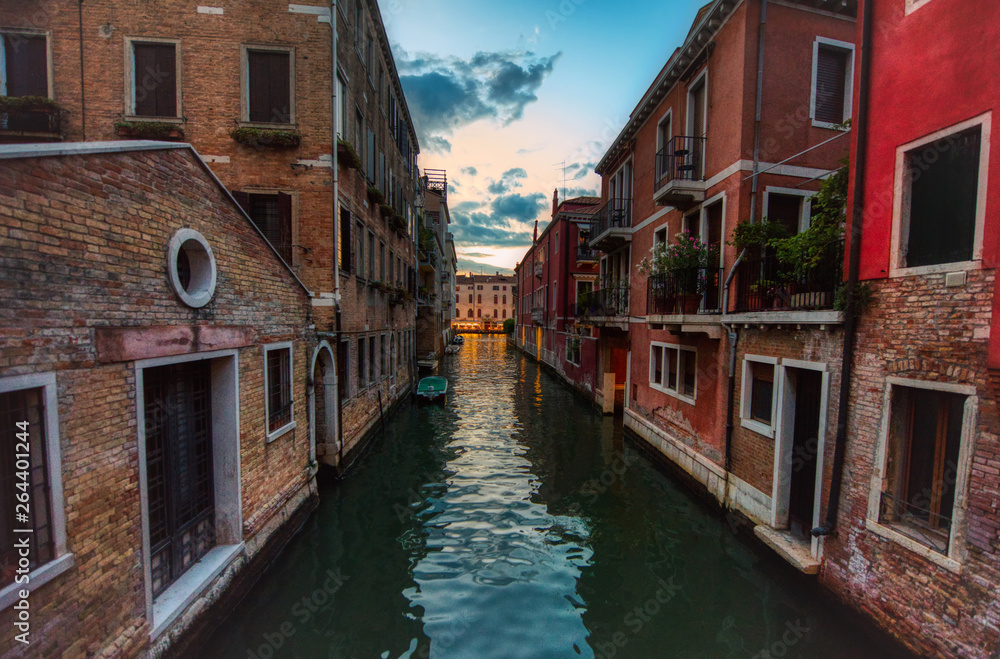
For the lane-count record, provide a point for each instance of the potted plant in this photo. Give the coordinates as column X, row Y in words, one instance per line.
column 375, row 195
column 261, row 138
column 35, row 114
column 149, row 130
column 687, row 264
column 347, row 156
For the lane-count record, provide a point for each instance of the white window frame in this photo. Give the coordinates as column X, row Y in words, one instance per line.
column 970, row 419
column 62, row 559
column 913, row 5
column 270, row 347
column 130, row 114
column 667, row 116
column 228, row 489
column 689, row 105
column 835, row 44
column 245, row 86
column 901, row 190
column 48, row 55
column 342, row 107
column 746, row 390
column 805, row 213
column 664, row 387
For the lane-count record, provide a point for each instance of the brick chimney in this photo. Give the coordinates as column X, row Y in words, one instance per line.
column 555, row 202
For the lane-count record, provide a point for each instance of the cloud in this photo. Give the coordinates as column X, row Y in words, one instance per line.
column 580, row 192
column 471, row 171
column 515, row 172
column 508, row 222
column 576, row 171
column 468, row 265
column 521, row 208
column 508, row 181
column 445, row 93
column 478, row 255
column 466, row 206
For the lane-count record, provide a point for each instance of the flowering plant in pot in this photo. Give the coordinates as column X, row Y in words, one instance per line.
column 684, row 267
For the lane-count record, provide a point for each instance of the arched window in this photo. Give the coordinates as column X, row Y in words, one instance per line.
column 480, row 298
column 495, row 299
column 470, row 298
column 480, row 312
column 494, row 313
column 505, row 299
column 470, row 313
column 505, row 313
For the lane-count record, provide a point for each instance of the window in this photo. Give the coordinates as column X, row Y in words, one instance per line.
column 272, row 213
column 343, row 368
column 470, row 313
column 496, row 299
column 371, row 165
column 494, row 313
column 940, row 205
column 360, row 260
column 505, row 288
column 479, row 287
column 371, row 255
column 278, row 387
column 269, row 82
column 505, row 299
column 505, row 313
column 372, row 375
column 660, row 236
column 362, row 377
column 381, row 261
column 369, row 56
column 924, row 469
column 30, row 464
column 359, row 133
column 24, row 66
column 342, row 109
column 382, row 348
column 556, row 250
column 345, row 240
column 573, row 350
column 479, row 313
column 789, row 207
column 673, row 369
column 358, row 27
column 470, row 298
column 757, row 404
column 496, row 288
column 152, row 89
column 833, row 71
column 479, row 299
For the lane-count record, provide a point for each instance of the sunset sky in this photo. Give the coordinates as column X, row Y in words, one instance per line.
column 503, row 93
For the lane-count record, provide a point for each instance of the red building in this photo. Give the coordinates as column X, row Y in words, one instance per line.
column 917, row 531
column 554, row 279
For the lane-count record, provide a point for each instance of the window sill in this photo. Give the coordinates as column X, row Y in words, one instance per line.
column 828, row 125
column 758, row 427
column 933, row 556
column 280, row 432
column 36, row 578
column 267, row 125
column 172, row 602
column 940, row 268
column 690, row 400
column 161, row 120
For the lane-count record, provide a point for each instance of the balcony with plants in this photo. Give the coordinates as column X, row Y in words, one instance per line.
column 30, row 119
column 684, row 285
column 680, row 172
column 608, row 305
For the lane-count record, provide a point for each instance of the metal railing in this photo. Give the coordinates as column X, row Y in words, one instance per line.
column 538, row 268
column 682, row 159
column 615, row 214
column 664, row 291
column 28, row 120
column 611, row 301
column 586, row 253
column 764, row 284
column 538, row 315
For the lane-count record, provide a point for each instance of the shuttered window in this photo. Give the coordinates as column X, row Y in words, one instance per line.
column 154, row 79
column 944, row 192
column 831, row 84
column 345, row 240
column 24, row 70
column 371, row 163
column 272, row 214
column 269, row 86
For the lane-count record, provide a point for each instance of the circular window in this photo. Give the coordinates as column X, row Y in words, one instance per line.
column 191, row 266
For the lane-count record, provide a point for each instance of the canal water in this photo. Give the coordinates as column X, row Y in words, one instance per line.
column 516, row 521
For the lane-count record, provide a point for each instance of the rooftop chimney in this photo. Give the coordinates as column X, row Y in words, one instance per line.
column 555, row 202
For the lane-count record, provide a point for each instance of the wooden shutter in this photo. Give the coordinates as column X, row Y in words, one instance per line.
column 345, row 240
column 243, row 199
column 27, row 65
column 154, row 79
column 269, row 89
column 284, row 245
column 831, row 81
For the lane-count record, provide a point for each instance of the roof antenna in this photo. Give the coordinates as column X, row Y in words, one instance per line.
column 563, row 165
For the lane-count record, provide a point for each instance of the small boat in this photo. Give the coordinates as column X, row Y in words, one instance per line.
column 458, row 340
column 432, row 389
column 452, row 349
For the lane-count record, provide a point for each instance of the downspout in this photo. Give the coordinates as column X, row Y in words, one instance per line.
column 733, row 336
column 853, row 265
column 760, row 93
column 83, row 102
column 336, row 227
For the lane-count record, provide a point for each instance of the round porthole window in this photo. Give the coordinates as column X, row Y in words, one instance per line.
column 191, row 267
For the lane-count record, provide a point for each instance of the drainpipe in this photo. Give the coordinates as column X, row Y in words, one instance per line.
column 83, row 102
column 733, row 336
column 760, row 93
column 853, row 265
column 336, row 227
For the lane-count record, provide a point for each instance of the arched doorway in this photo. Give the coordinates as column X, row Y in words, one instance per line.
column 324, row 446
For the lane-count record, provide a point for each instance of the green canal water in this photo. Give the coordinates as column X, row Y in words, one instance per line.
column 516, row 521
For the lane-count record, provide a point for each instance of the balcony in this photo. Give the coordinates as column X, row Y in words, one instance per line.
column 605, row 306
column 668, row 305
column 585, row 255
column 612, row 226
column 538, row 315
column 30, row 124
column 680, row 172
column 767, row 291
column 538, row 269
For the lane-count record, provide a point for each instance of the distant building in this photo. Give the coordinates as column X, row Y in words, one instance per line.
column 483, row 302
column 436, row 266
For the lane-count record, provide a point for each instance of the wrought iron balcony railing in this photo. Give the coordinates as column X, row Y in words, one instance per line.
column 585, row 253
column 682, row 159
column 30, row 121
column 615, row 214
column 765, row 284
column 611, row 301
column 665, row 293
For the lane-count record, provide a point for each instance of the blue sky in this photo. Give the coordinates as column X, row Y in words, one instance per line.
column 504, row 93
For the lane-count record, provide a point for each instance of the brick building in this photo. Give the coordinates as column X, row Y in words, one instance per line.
column 483, row 302
column 250, row 86
column 917, row 531
column 436, row 266
column 160, row 350
column 556, row 279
